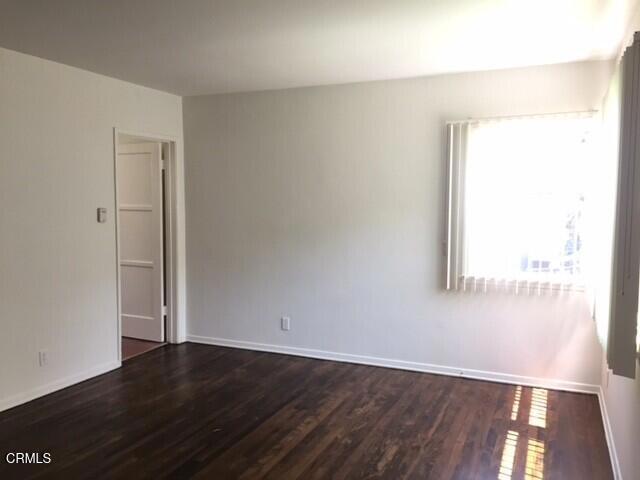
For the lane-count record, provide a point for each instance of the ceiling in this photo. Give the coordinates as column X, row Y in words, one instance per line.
column 191, row 47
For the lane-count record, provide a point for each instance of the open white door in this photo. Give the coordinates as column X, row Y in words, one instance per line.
column 140, row 228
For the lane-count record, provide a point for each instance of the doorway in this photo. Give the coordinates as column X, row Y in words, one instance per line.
column 142, row 204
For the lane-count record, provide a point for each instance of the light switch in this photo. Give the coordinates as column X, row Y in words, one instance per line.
column 102, row 215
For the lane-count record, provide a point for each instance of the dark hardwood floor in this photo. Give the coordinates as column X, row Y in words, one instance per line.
column 208, row 412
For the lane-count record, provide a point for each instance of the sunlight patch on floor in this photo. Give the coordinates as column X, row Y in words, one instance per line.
column 538, row 411
column 516, row 403
column 508, row 456
column 534, row 469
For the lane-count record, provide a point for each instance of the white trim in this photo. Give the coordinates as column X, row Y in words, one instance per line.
column 403, row 365
column 175, row 269
column 56, row 385
column 148, row 136
column 608, row 433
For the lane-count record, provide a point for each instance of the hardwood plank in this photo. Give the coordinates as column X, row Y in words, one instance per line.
column 195, row 411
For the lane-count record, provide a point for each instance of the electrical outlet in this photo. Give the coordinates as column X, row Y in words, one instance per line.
column 285, row 323
column 43, row 358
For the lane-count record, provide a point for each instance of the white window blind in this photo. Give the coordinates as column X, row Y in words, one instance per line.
column 516, row 192
column 622, row 340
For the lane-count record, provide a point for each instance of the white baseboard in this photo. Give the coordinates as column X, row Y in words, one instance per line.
column 403, row 365
column 37, row 392
column 608, row 432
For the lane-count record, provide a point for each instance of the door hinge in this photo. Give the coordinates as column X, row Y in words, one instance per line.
column 164, row 310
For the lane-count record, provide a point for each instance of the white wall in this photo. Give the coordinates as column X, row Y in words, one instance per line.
column 326, row 204
column 57, row 264
column 622, row 399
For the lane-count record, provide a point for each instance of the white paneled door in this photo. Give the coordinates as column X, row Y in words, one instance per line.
column 140, row 228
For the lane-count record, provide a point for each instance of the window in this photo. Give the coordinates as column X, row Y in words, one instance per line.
column 516, row 202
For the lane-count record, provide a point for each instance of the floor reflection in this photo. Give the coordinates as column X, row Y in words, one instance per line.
column 538, row 411
column 516, row 403
column 508, row 456
column 535, row 460
column 534, row 463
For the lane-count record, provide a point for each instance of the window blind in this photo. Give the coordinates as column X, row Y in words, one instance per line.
column 515, row 195
column 621, row 348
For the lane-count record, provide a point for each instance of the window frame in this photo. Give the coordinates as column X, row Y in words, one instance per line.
column 456, row 135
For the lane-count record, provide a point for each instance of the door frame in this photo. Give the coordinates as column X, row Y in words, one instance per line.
column 174, row 266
